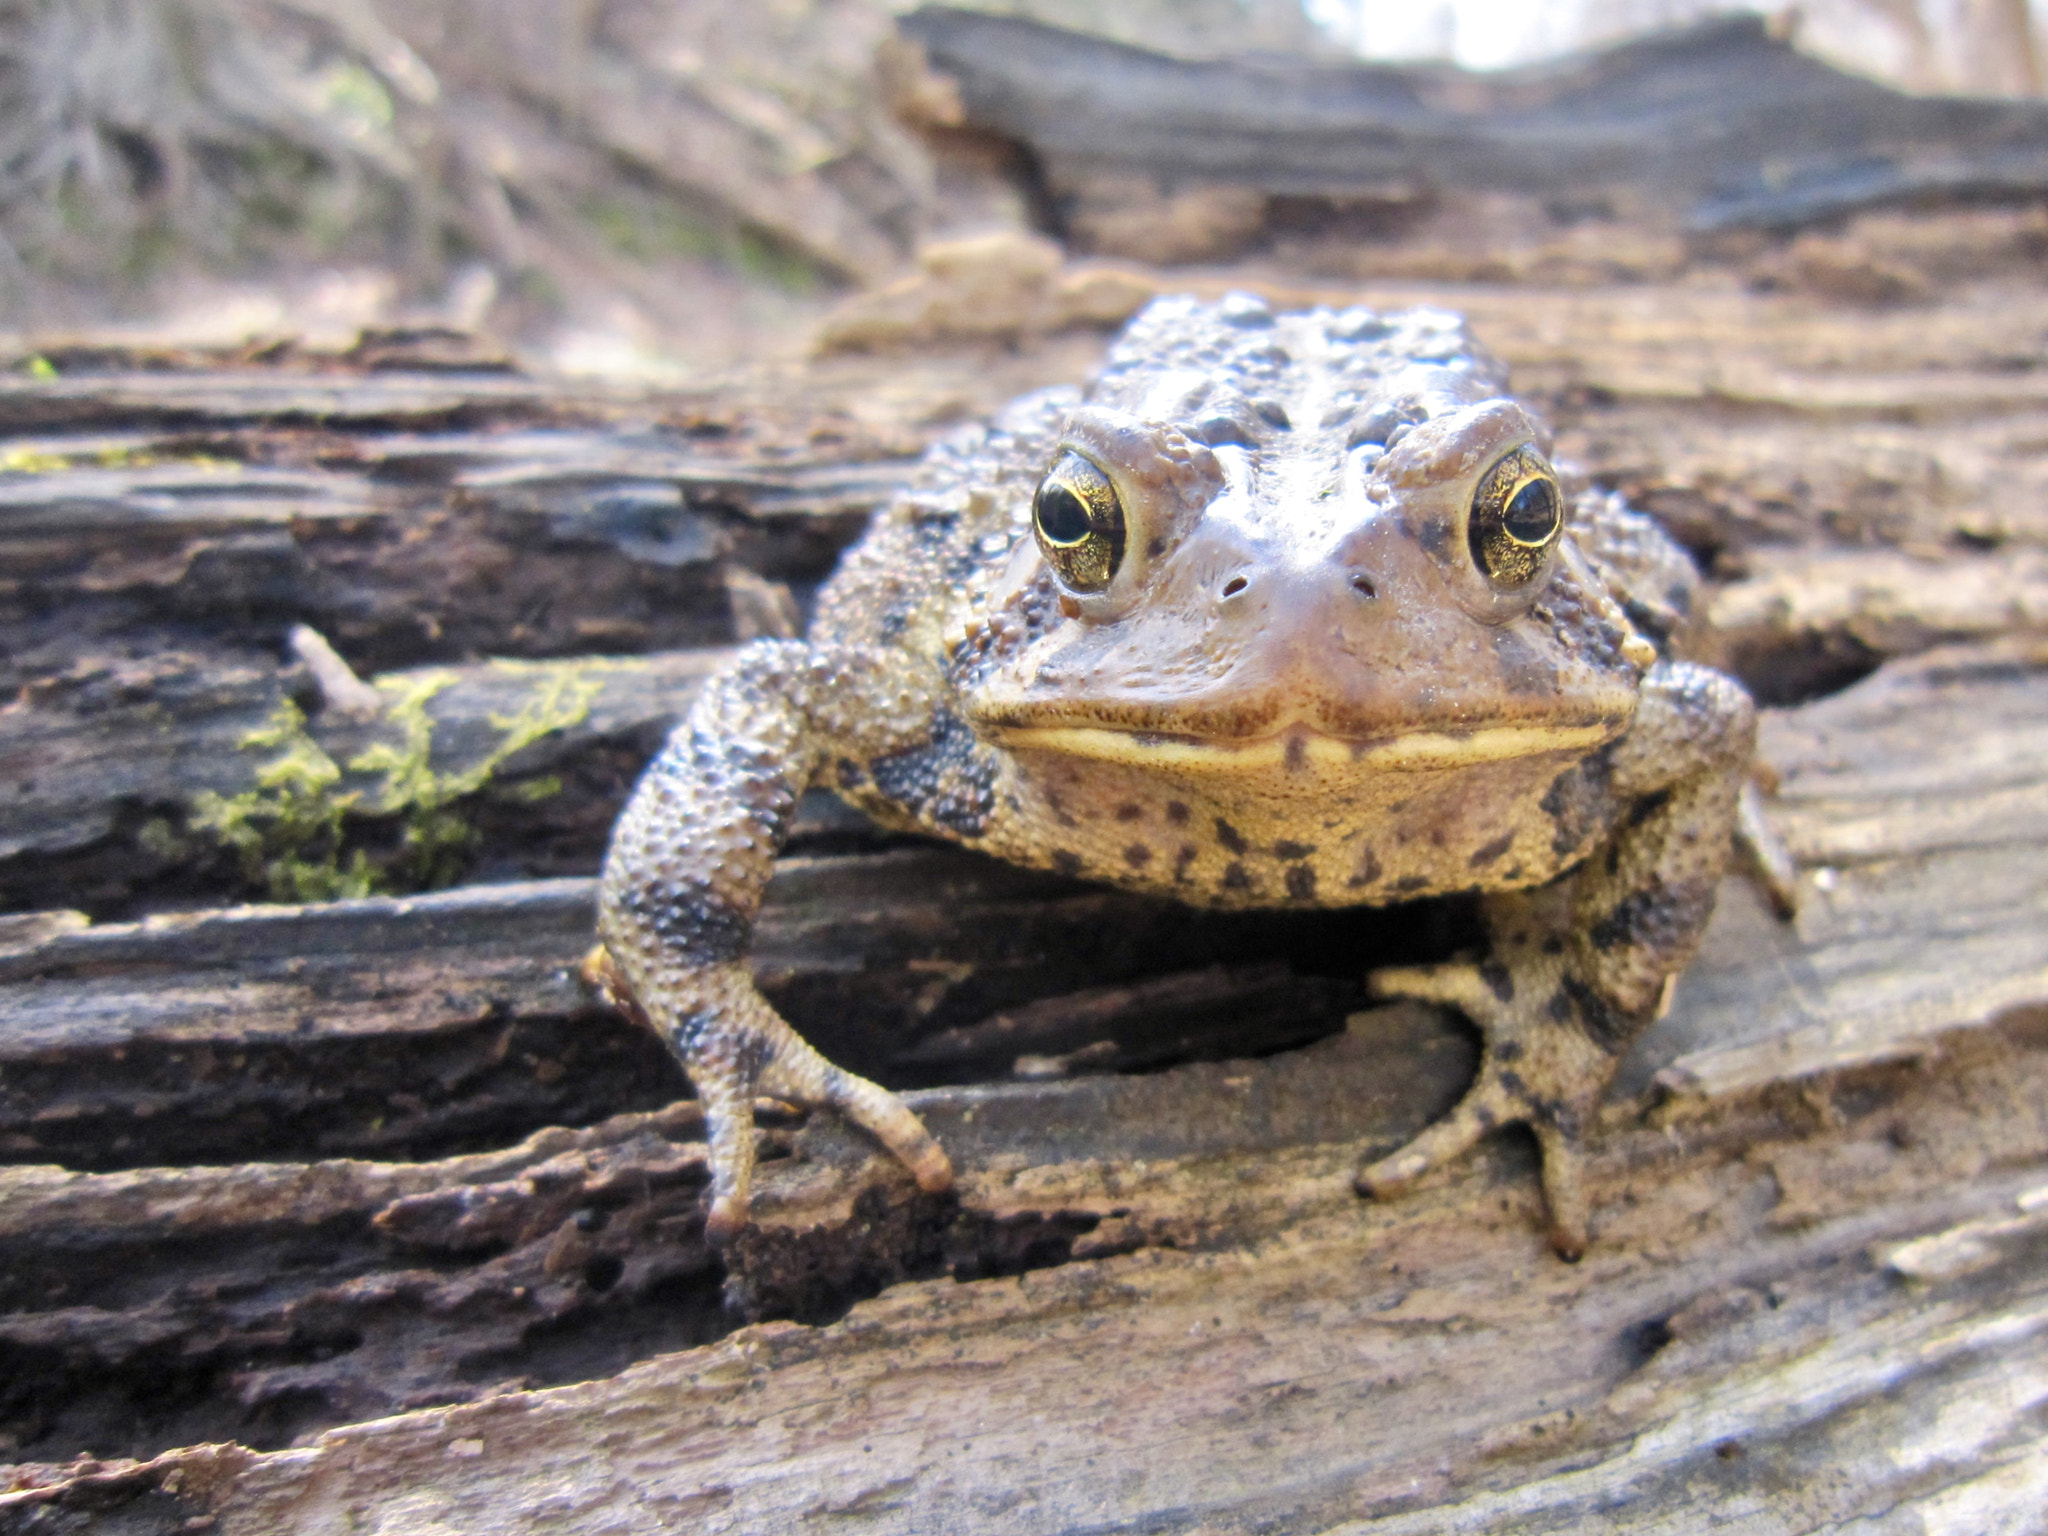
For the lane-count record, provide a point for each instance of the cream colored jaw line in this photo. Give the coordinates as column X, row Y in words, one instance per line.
column 1420, row 749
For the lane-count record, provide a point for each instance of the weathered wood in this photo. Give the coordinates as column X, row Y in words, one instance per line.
column 114, row 764
column 412, row 1025
column 1905, row 799
column 1155, row 1302
column 1919, row 790
column 1866, row 481
column 594, row 1236
column 1774, row 1301
column 400, row 547
column 1722, row 125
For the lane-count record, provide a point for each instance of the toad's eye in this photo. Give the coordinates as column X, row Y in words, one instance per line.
column 1517, row 515
column 1079, row 523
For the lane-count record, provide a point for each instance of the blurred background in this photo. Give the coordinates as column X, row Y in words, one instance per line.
column 665, row 188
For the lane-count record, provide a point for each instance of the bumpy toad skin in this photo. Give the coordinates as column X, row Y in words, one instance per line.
column 1301, row 686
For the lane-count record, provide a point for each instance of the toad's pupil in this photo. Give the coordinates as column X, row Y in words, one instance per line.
column 1532, row 514
column 1061, row 516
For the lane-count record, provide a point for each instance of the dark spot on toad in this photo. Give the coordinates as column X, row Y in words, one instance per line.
column 1137, row 855
column 1486, row 853
column 1648, row 806
column 1290, row 850
column 1235, row 878
column 1176, row 813
column 1301, row 882
column 1606, row 1026
column 1500, row 981
column 1660, row 918
column 1576, row 802
column 1066, row 861
column 690, row 916
column 1648, row 620
column 1129, row 812
column 1232, row 840
column 949, row 780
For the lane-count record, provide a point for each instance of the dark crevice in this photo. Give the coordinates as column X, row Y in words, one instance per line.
column 469, row 1088
column 267, row 1335
column 1796, row 669
column 1141, row 986
column 1642, row 1343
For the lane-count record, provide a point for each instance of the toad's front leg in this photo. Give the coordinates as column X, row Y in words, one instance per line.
column 1578, row 968
column 683, row 879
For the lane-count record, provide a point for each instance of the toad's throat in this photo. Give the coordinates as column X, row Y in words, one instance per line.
column 1301, row 748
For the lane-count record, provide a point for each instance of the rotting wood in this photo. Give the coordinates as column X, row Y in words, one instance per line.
column 1224, row 1186
column 114, row 762
column 1757, row 1315
column 401, row 549
column 411, row 1025
column 1864, row 482
column 1156, row 1303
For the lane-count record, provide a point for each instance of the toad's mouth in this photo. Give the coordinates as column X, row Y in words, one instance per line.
column 1302, row 748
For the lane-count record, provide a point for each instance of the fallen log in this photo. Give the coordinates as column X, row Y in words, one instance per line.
column 566, row 1255
column 270, row 1172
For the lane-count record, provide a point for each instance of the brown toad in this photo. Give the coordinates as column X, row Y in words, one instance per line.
column 1287, row 610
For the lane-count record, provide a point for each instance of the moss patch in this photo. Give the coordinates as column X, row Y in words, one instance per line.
column 306, row 828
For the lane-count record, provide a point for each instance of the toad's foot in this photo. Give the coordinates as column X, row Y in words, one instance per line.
column 1551, row 1046
column 734, row 1046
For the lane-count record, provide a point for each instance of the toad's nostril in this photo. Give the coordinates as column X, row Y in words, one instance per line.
column 1362, row 584
column 1235, row 585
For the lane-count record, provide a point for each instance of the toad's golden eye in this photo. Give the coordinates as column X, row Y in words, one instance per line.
column 1079, row 523
column 1517, row 515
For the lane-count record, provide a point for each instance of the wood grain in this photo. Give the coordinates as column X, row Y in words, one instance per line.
column 1209, row 1203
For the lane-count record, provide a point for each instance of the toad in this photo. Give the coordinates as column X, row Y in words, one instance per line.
column 1286, row 610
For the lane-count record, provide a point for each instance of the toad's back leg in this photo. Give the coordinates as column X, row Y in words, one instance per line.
column 683, row 879
column 1578, row 968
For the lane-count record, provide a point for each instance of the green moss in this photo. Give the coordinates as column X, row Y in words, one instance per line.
column 29, row 461
column 287, row 831
column 295, row 832
column 43, row 461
